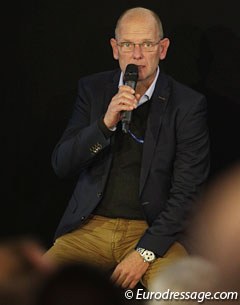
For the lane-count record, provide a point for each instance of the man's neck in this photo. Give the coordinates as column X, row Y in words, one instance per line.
column 141, row 88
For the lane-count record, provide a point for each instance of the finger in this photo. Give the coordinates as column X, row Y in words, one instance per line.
column 126, row 283
column 120, row 108
column 128, row 101
column 119, row 103
column 132, row 285
column 130, row 282
column 138, row 96
column 120, row 281
column 126, row 89
column 115, row 275
column 126, row 96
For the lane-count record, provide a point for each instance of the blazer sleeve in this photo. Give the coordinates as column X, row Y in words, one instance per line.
column 83, row 139
column 190, row 171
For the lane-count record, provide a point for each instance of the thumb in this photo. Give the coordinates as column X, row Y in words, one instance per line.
column 138, row 96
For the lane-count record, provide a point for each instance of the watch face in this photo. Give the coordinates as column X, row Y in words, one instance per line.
column 149, row 256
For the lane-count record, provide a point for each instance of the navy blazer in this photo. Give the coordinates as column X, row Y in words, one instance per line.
column 175, row 160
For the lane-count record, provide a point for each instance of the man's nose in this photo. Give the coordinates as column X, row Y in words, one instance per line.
column 137, row 51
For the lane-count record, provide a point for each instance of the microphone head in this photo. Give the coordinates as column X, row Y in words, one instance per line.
column 131, row 73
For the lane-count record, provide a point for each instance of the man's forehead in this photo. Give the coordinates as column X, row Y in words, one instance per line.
column 136, row 18
column 137, row 26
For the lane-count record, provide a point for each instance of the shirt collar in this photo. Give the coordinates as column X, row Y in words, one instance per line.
column 148, row 94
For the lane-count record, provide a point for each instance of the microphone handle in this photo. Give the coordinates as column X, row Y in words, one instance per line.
column 127, row 115
column 126, row 120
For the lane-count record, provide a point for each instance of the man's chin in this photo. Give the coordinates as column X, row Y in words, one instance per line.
column 141, row 74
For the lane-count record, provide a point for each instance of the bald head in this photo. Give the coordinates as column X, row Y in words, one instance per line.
column 139, row 13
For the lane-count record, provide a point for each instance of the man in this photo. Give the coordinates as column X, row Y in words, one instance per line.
column 134, row 190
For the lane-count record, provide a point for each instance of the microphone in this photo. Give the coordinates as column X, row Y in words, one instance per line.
column 130, row 79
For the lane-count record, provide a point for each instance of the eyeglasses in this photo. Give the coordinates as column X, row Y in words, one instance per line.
column 146, row 46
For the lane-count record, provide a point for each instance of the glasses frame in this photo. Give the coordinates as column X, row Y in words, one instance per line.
column 133, row 44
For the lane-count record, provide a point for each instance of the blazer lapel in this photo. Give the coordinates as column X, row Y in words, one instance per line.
column 157, row 109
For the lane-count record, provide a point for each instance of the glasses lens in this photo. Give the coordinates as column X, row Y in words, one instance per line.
column 145, row 46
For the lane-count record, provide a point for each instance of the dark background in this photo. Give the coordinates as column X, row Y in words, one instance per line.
column 49, row 45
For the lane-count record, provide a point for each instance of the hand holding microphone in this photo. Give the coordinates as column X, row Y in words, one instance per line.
column 130, row 79
column 124, row 101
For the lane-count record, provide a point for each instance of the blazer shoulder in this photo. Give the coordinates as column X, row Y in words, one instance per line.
column 184, row 94
column 100, row 79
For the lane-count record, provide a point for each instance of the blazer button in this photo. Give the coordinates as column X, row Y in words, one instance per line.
column 99, row 194
column 83, row 218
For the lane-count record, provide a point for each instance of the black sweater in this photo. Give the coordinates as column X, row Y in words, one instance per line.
column 120, row 198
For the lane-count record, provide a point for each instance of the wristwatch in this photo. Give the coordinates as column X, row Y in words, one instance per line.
column 148, row 256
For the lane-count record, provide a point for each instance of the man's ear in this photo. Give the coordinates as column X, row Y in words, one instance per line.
column 113, row 43
column 164, row 44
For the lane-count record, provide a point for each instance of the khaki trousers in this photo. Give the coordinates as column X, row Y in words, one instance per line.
column 105, row 242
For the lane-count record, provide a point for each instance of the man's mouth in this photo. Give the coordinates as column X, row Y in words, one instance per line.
column 140, row 67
